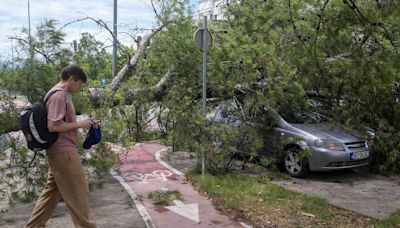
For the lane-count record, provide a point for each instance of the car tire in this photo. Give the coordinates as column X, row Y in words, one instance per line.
column 293, row 164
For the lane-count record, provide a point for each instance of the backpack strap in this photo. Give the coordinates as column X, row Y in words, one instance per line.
column 48, row 95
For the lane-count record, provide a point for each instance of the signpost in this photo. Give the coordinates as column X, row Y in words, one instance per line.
column 203, row 40
column 198, row 38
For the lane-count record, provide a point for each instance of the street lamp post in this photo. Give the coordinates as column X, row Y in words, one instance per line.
column 114, row 62
column 29, row 33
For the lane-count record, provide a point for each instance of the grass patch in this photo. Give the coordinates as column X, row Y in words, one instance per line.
column 164, row 197
column 317, row 206
column 392, row 221
column 256, row 198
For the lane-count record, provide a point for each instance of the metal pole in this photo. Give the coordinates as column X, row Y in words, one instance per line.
column 114, row 62
column 12, row 56
column 205, row 30
column 29, row 32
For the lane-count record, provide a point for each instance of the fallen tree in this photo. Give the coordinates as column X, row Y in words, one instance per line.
column 11, row 117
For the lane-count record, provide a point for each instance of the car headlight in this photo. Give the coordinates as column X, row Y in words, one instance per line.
column 328, row 144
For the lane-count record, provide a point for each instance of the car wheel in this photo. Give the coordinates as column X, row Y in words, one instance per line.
column 294, row 164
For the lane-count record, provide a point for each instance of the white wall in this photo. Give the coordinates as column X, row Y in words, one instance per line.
column 212, row 9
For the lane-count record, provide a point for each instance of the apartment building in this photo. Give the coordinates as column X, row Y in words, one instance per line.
column 212, row 9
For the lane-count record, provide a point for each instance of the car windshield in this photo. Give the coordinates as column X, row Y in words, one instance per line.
column 302, row 116
column 234, row 108
column 311, row 114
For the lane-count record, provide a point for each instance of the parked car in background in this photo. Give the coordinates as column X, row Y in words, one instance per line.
column 303, row 143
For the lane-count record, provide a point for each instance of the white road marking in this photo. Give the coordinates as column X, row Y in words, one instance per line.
column 190, row 211
column 158, row 158
column 245, row 225
column 142, row 210
column 146, row 177
column 179, row 173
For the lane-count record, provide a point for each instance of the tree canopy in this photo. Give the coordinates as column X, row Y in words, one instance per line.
column 343, row 53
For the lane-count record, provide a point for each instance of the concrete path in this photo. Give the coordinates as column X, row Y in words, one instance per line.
column 356, row 190
column 111, row 206
column 143, row 173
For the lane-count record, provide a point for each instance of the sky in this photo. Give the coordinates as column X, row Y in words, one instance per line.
column 131, row 14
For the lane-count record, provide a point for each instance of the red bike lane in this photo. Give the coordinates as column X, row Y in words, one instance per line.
column 141, row 173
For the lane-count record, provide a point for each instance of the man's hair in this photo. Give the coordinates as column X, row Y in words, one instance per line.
column 75, row 71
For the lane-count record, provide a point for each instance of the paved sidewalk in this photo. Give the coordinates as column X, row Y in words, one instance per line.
column 356, row 190
column 111, row 205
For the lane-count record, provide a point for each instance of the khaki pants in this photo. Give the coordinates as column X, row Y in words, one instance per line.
column 66, row 180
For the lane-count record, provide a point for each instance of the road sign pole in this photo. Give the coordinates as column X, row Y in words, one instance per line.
column 203, row 166
column 203, row 39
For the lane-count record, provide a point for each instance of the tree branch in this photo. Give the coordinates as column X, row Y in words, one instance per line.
column 134, row 60
column 314, row 45
column 130, row 94
column 102, row 24
column 292, row 21
column 155, row 11
column 353, row 6
column 34, row 49
column 321, row 17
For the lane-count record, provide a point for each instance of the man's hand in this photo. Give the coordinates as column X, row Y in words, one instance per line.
column 69, row 126
column 87, row 123
column 96, row 123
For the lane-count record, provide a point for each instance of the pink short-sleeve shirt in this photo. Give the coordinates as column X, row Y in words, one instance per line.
column 61, row 109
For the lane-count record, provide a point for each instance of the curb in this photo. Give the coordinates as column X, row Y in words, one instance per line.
column 142, row 210
column 158, row 158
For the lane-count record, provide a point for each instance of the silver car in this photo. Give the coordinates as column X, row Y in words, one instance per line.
column 306, row 146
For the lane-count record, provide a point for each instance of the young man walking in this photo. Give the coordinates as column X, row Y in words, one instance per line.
column 66, row 178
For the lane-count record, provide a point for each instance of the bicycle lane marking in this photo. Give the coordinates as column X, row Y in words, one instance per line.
column 145, row 178
column 144, row 174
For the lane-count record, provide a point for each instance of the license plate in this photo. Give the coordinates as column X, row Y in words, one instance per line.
column 359, row 155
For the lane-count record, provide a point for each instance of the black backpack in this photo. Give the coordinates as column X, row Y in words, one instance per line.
column 34, row 125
